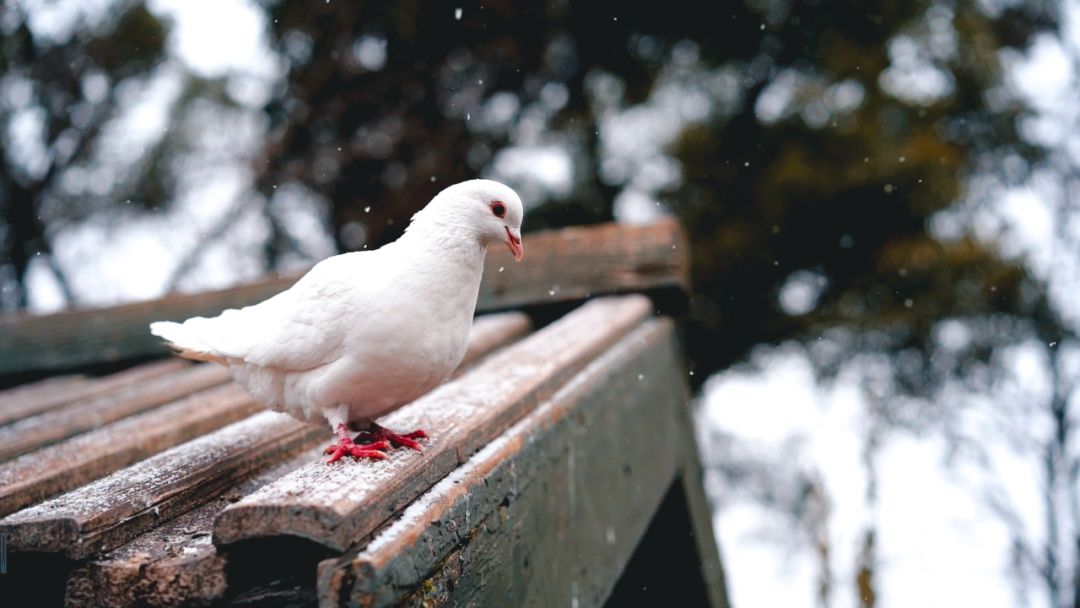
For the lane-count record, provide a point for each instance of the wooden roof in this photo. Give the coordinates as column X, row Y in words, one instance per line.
column 165, row 484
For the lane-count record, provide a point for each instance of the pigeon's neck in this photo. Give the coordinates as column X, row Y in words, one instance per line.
column 445, row 268
column 443, row 236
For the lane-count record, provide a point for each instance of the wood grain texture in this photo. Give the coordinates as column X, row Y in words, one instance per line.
column 490, row 332
column 583, row 261
column 70, row 463
column 113, row 510
column 175, row 564
column 25, row 401
column 337, row 506
column 562, row 265
column 550, row 512
column 116, row 333
column 60, row 423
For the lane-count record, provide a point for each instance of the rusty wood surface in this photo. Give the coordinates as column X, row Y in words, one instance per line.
column 25, row 401
column 337, row 506
column 35, row 432
column 550, row 512
column 175, row 564
column 562, row 265
column 113, row 510
column 62, row 466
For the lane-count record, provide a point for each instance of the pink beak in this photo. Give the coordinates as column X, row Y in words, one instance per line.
column 513, row 241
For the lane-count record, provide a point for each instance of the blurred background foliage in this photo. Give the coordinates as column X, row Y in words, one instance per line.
column 812, row 140
column 834, row 163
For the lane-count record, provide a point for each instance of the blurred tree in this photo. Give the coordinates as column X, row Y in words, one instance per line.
column 57, row 95
column 807, row 146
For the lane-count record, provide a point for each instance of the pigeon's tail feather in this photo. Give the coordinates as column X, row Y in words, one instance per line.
column 185, row 341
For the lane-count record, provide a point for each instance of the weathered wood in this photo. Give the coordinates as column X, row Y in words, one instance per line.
column 550, row 512
column 562, row 265
column 490, row 332
column 337, row 506
column 113, row 510
column 25, row 401
column 116, row 333
column 13, row 400
column 77, row 460
column 175, row 564
column 584, row 261
column 60, row 423
column 692, row 480
column 60, row 467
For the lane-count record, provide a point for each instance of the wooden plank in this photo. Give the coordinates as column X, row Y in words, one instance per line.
column 550, row 512
column 25, row 395
column 185, row 568
column 585, row 261
column 66, row 465
column 77, row 460
column 560, row 266
column 83, row 458
column 60, row 423
column 692, row 480
column 116, row 333
column 113, row 510
column 491, row 332
column 25, row 401
column 337, row 506
column 175, row 564
column 48, row 526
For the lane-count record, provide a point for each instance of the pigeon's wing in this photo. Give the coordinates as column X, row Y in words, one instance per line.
column 294, row 330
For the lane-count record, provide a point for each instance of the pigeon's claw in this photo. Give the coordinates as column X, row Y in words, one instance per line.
column 382, row 434
column 375, row 450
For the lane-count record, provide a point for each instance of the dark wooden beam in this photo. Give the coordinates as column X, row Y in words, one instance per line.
column 560, row 266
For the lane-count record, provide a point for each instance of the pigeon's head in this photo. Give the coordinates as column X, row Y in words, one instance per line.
column 491, row 211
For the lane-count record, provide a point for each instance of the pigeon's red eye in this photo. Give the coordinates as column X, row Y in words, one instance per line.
column 499, row 209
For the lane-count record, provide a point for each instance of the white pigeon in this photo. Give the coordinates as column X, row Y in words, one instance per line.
column 363, row 333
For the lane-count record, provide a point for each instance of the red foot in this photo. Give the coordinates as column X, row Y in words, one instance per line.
column 376, row 450
column 378, row 433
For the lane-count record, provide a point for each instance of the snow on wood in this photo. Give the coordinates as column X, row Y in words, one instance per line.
column 172, row 565
column 28, row 400
column 37, row 431
column 83, row 458
column 577, row 481
column 337, row 506
column 112, row 510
